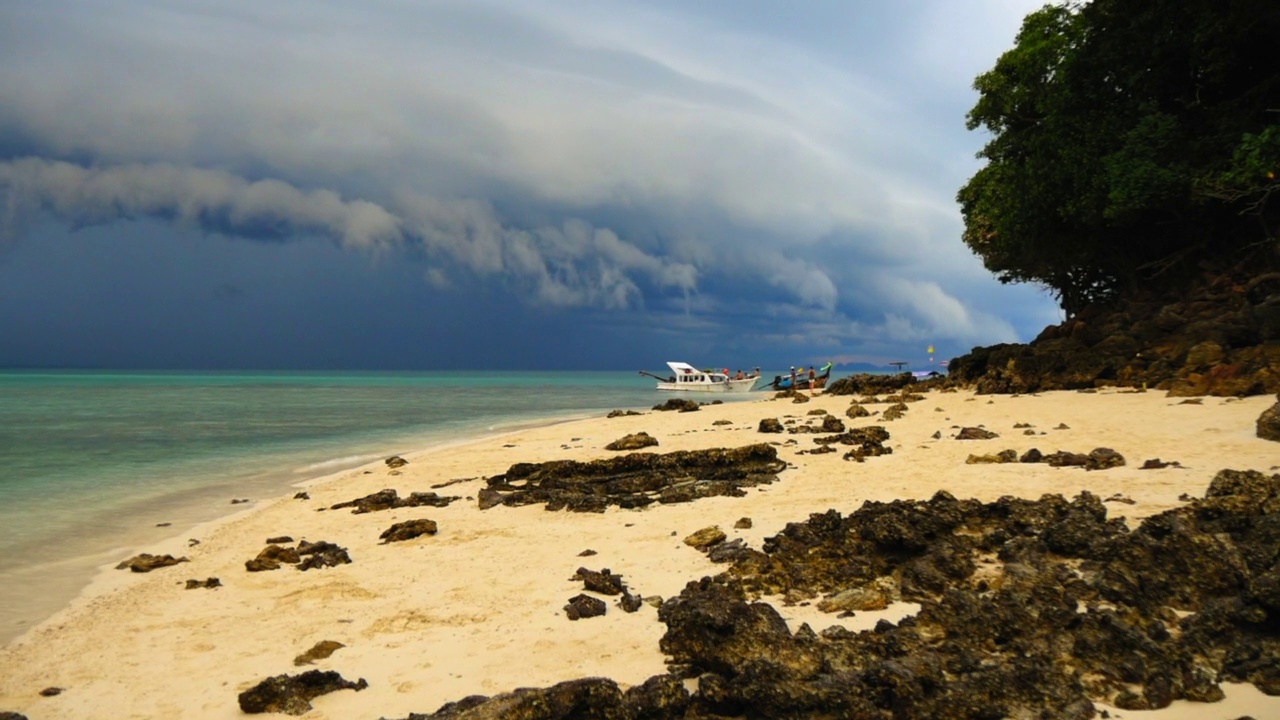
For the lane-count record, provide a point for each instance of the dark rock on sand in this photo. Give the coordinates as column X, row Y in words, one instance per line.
column 866, row 441
column 1004, row 456
column 622, row 413
column 51, row 692
column 146, row 562
column 271, row 557
column 1269, row 423
column 630, row 602
column 408, row 530
column 743, row 523
column 301, row 496
column 279, row 540
column 705, row 538
column 856, row 411
column 388, row 499
column 603, row 582
column 395, row 461
column 321, row 554
column 975, row 433
column 634, row 480
column 894, row 412
column 770, row 425
column 9, row 715
column 867, row 384
column 584, row 606
column 292, row 694
column 678, row 404
column 636, row 441
column 319, row 651
column 661, row 697
column 210, row 583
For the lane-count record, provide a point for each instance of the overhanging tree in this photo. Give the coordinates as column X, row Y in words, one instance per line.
column 1130, row 139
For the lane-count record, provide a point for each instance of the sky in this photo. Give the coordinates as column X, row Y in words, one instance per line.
column 494, row 184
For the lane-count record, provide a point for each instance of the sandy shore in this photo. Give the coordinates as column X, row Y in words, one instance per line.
column 477, row 608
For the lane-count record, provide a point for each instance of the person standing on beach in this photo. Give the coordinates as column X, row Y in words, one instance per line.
column 793, row 378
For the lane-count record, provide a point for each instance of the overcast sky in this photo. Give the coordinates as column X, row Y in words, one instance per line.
column 390, row 184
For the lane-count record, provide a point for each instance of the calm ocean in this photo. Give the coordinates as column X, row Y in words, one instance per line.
column 92, row 461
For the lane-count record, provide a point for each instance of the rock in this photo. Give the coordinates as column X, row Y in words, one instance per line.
column 9, row 715
column 1104, row 458
column 706, row 537
column 856, row 411
column 584, row 606
column 1158, row 464
column 292, row 694
column 659, row 698
column 319, row 651
column 50, row 692
column 867, row 384
column 321, row 554
column 743, row 523
column 722, row 422
column 301, row 496
column 975, row 433
column 678, row 404
column 146, row 562
column 770, row 425
column 210, row 583
column 893, row 412
column 408, row 530
column 279, row 540
column 634, row 480
column 271, row 557
column 395, row 461
column 1004, row 456
column 832, row 424
column 587, row 553
column 389, row 499
column 816, row 412
column 1269, row 423
column 633, row 442
column 603, row 582
column 1211, row 338
column 622, row 413
column 1031, row 456
column 874, row 596
column 630, row 602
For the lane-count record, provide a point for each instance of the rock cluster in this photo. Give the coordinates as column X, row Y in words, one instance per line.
column 1028, row 609
column 603, row 582
column 1220, row 337
column 1269, row 423
column 292, row 694
column 307, row 556
column 389, row 499
column 866, row 441
column 634, row 480
column 678, row 404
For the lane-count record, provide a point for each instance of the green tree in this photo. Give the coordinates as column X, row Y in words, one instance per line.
column 1129, row 140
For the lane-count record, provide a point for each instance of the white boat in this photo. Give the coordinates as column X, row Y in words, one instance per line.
column 687, row 378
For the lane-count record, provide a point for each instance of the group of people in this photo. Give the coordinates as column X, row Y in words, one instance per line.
column 741, row 375
column 813, row 375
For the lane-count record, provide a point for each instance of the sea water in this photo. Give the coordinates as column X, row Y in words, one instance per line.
column 95, row 464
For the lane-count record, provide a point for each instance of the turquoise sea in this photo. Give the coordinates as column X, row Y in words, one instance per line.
column 92, row 462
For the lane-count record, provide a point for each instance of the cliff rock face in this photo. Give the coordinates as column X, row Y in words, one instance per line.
column 1220, row 337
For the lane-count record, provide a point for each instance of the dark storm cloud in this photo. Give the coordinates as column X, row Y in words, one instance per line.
column 674, row 166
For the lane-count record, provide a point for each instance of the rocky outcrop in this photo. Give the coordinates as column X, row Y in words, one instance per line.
column 635, row 441
column 677, row 404
column 1027, row 609
column 292, row 694
column 1269, row 423
column 321, row 554
column 1220, row 337
column 634, row 480
column 389, row 499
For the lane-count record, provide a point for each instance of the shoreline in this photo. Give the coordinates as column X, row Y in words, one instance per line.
column 477, row 608
column 77, row 576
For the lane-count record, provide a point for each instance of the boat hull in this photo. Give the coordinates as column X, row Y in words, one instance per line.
column 727, row 386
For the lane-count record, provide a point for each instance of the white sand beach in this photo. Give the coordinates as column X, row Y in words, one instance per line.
column 478, row 607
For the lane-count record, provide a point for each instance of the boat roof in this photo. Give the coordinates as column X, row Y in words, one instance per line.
column 679, row 367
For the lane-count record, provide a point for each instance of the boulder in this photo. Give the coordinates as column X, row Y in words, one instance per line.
column 706, row 537
column 1269, row 423
column 292, row 694
column 585, row 606
column 408, row 530
column 635, row 441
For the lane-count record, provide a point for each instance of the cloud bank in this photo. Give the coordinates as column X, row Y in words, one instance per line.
column 718, row 165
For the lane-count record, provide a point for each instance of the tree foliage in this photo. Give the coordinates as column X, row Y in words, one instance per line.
column 1129, row 140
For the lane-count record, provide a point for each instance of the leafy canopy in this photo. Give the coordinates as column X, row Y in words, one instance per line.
column 1129, row 140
